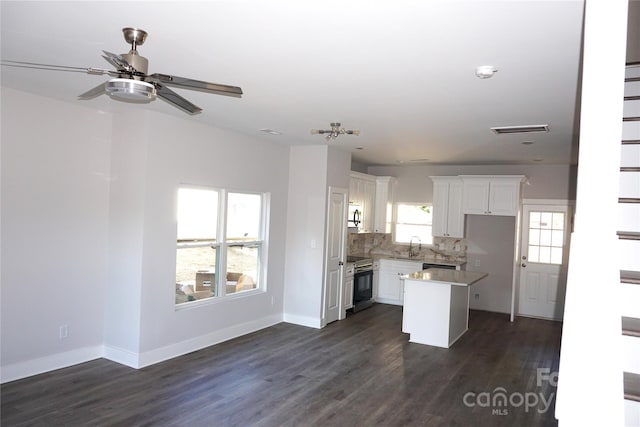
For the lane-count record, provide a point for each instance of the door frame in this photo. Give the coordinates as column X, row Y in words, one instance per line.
column 343, row 250
column 570, row 204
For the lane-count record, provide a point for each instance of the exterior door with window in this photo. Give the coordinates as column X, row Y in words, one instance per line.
column 543, row 260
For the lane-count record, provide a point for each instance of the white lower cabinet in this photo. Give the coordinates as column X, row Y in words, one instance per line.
column 390, row 282
column 347, row 296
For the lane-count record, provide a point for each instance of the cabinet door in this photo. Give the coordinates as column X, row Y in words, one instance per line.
column 368, row 205
column 389, row 287
column 476, row 197
column 440, row 208
column 455, row 215
column 503, row 198
column 348, row 292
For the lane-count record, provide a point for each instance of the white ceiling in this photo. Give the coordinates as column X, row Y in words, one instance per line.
column 402, row 72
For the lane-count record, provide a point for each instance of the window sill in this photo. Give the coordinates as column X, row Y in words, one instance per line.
column 217, row 300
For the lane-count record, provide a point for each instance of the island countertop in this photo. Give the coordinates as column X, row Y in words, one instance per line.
column 442, row 275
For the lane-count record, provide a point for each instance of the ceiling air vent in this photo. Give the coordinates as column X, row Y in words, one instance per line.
column 520, row 129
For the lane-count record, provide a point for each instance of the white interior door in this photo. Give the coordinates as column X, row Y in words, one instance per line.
column 543, row 260
column 335, row 256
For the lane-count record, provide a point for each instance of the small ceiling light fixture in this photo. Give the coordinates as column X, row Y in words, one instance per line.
column 520, row 129
column 334, row 132
column 527, row 142
column 485, row 71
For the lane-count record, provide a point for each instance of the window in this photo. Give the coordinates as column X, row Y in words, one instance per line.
column 204, row 254
column 413, row 220
column 546, row 237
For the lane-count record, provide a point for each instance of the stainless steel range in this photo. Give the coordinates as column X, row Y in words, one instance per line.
column 362, row 282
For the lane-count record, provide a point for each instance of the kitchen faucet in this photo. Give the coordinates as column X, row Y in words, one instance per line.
column 411, row 253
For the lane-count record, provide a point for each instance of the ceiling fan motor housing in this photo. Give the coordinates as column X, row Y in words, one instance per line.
column 140, row 63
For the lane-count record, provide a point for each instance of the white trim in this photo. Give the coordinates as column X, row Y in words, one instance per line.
column 16, row 371
column 121, row 356
column 631, row 354
column 307, row 321
column 197, row 343
column 558, row 202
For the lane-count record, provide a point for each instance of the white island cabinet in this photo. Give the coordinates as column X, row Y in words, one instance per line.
column 436, row 305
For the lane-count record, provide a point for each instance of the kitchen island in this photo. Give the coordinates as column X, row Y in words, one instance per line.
column 436, row 305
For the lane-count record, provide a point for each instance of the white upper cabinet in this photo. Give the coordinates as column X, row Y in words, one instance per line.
column 491, row 195
column 384, row 204
column 362, row 192
column 448, row 217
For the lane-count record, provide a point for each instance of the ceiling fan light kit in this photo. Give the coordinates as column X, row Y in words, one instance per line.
column 130, row 90
column 334, row 132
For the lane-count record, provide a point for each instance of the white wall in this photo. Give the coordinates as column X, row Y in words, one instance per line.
column 55, row 199
column 544, row 181
column 305, row 235
column 89, row 226
column 182, row 152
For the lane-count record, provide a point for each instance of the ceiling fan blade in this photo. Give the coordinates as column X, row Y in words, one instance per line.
column 117, row 61
column 196, row 85
column 92, row 93
column 176, row 100
column 52, row 67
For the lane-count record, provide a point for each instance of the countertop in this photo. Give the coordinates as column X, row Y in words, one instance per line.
column 442, row 275
column 422, row 259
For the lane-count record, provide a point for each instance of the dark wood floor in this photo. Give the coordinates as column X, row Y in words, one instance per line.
column 358, row 372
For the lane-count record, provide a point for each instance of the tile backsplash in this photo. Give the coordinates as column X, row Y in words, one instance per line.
column 381, row 244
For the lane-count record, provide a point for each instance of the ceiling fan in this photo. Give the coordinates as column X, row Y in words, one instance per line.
column 131, row 81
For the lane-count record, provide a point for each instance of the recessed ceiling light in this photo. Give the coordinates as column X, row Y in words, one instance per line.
column 418, row 160
column 359, row 148
column 527, row 142
column 520, row 129
column 537, row 160
column 270, row 131
column 485, row 71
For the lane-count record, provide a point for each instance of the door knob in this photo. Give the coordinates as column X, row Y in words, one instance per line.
column 340, row 263
column 524, row 257
column 523, row 264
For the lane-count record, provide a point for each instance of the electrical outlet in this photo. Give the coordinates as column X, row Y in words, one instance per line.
column 476, row 297
column 477, row 263
column 273, row 300
column 64, row 332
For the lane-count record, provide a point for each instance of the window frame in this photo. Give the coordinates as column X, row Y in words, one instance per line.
column 395, row 222
column 221, row 246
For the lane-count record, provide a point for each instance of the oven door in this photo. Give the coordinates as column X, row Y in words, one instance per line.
column 362, row 290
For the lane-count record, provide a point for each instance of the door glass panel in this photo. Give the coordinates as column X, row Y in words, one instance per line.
column 546, row 237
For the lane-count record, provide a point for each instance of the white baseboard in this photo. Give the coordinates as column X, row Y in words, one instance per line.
column 41, row 365
column 310, row 322
column 121, row 356
column 178, row 349
column 16, row 371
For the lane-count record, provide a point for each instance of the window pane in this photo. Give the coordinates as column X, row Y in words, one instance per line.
column 242, row 268
column 556, row 238
column 545, row 237
column 404, row 233
column 545, row 219
column 533, row 253
column 545, row 254
column 534, row 237
column 414, row 214
column 556, row 255
column 534, row 219
column 244, row 213
column 195, row 273
column 558, row 221
column 197, row 214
